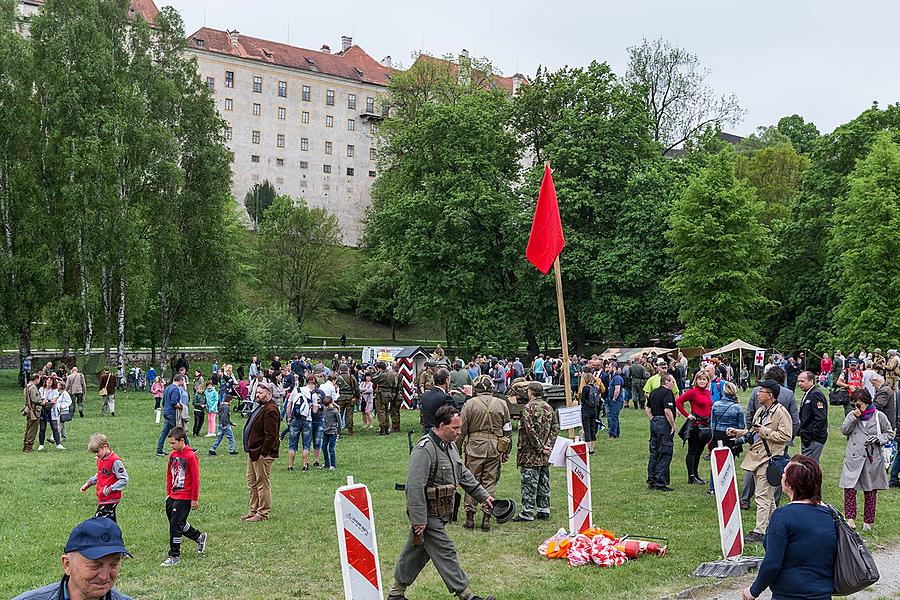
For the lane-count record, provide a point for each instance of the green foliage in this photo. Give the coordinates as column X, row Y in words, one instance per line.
column 258, row 199
column 772, row 167
column 804, row 136
column 266, row 332
column 721, row 254
column 864, row 247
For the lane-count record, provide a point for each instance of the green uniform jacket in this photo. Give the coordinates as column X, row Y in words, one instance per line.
column 537, row 430
column 450, row 469
column 348, row 386
column 386, row 384
column 458, row 380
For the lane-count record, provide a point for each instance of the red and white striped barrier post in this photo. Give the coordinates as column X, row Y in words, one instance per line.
column 358, row 545
column 725, row 485
column 578, row 476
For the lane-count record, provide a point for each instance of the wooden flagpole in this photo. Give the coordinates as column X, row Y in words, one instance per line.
column 564, row 338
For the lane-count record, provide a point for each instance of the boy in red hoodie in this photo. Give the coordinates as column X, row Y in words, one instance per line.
column 111, row 477
column 182, row 492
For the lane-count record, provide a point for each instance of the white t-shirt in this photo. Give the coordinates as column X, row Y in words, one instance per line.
column 329, row 389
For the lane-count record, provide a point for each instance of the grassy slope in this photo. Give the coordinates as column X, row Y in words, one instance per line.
column 295, row 554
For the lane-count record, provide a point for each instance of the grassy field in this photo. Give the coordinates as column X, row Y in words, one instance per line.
column 295, row 554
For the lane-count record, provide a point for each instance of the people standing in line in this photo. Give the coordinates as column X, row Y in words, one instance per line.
column 331, row 427
column 660, row 410
column 769, row 433
column 486, row 435
column 590, row 400
column 170, row 407
column 367, row 399
column 77, row 388
column 111, row 477
column 107, row 393
column 813, row 417
column 538, row 428
column 867, row 430
column 801, row 544
column 31, row 410
column 182, row 495
column 261, row 442
column 435, row 471
column 698, row 431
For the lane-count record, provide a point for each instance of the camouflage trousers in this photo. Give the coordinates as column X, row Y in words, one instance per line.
column 637, row 393
column 385, row 407
column 535, row 491
column 487, row 472
column 346, row 407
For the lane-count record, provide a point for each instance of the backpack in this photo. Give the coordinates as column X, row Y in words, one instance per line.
column 593, row 397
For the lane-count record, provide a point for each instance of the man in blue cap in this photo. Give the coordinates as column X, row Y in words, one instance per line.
column 91, row 561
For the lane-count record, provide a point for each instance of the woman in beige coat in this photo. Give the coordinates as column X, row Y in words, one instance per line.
column 867, row 429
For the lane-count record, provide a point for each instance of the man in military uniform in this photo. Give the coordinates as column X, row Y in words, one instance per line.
column 460, row 383
column 878, row 362
column 486, row 438
column 387, row 388
column 639, row 376
column 892, row 369
column 435, row 471
column 537, row 434
column 426, row 378
column 31, row 410
column 348, row 395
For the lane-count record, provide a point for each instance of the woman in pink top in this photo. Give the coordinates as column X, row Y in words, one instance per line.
column 697, row 432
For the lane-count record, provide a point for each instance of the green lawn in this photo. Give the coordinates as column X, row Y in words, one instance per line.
column 295, row 554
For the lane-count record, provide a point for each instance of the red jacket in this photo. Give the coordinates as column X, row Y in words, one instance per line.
column 183, row 475
column 107, row 476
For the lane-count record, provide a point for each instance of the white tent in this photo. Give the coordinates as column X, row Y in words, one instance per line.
column 734, row 346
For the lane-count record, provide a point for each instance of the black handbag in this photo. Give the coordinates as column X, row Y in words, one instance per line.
column 839, row 396
column 777, row 465
column 65, row 415
column 854, row 567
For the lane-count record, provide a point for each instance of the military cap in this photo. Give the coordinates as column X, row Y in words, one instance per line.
column 345, row 369
column 536, row 388
column 483, row 383
column 876, row 351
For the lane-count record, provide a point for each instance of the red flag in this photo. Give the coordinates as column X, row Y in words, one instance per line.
column 546, row 240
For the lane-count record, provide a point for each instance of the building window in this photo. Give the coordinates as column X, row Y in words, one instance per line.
column 373, row 128
column 282, row 113
column 255, row 136
column 282, row 89
column 254, row 158
column 279, row 140
column 350, row 171
column 306, row 93
column 370, row 105
column 371, row 173
column 229, row 79
column 372, row 154
column 327, row 147
column 329, row 97
column 200, row 43
column 351, row 101
column 305, row 117
column 350, row 151
column 229, row 132
column 329, row 121
column 326, row 168
column 257, row 85
column 304, row 165
column 211, row 83
column 229, row 104
column 257, row 109
column 304, row 144
column 279, row 162
column 351, row 125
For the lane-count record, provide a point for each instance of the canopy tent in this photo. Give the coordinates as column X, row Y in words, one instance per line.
column 623, row 354
column 734, row 346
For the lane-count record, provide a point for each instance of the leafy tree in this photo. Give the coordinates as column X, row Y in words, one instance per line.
column 803, row 135
column 259, row 198
column 864, row 246
column 775, row 172
column 296, row 244
column 673, row 85
column 377, row 295
column 721, row 254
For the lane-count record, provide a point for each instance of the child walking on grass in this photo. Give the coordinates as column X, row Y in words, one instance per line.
column 224, row 427
column 182, row 493
column 111, row 477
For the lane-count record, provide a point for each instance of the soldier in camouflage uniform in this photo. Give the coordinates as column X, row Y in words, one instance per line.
column 537, row 434
column 892, row 369
column 387, row 398
column 486, row 436
column 348, row 395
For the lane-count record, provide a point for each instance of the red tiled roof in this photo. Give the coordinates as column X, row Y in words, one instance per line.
column 353, row 64
column 505, row 83
column 146, row 8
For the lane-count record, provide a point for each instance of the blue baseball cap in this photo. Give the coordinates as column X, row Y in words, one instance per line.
column 95, row 538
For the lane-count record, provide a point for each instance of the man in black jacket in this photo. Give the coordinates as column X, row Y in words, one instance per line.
column 435, row 398
column 813, row 416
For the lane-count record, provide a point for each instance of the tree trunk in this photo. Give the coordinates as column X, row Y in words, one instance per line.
column 393, row 329
column 532, row 340
column 85, row 307
column 25, row 343
column 121, row 317
column 165, row 311
column 106, row 293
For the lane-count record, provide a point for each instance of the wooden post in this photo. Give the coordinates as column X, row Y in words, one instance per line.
column 564, row 338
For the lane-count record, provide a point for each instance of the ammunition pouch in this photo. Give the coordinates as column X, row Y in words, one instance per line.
column 440, row 501
column 504, row 445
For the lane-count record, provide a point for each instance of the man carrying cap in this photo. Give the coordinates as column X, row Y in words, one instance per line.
column 91, row 562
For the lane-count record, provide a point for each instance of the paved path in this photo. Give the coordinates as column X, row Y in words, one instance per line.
column 888, row 560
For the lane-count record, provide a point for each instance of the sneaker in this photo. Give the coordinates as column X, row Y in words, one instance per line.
column 542, row 516
column 171, row 561
column 210, row 435
column 201, row 543
column 317, row 465
column 212, row 452
column 894, row 484
column 161, row 454
column 60, row 447
column 520, row 519
column 290, row 469
column 41, row 447
column 867, row 527
column 232, row 453
column 331, row 468
column 306, row 467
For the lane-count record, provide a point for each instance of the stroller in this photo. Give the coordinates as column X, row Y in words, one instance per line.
column 243, row 392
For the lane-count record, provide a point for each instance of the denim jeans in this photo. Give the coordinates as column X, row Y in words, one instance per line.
column 329, row 442
column 895, row 468
column 168, row 425
column 224, row 432
column 299, row 428
column 318, row 429
column 613, row 407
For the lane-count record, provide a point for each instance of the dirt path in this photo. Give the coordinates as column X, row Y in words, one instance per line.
column 888, row 560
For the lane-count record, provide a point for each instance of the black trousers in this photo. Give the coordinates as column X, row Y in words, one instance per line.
column 695, row 443
column 661, row 449
column 198, row 421
column 78, row 399
column 42, row 435
column 177, row 512
column 107, row 510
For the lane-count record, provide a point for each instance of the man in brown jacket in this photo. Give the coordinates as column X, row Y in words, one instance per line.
column 771, row 426
column 261, row 442
column 32, row 411
column 76, row 386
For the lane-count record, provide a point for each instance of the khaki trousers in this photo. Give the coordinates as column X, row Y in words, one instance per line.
column 765, row 499
column 258, row 472
column 31, row 430
column 487, row 472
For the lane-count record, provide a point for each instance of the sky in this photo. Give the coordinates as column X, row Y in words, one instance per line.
column 822, row 59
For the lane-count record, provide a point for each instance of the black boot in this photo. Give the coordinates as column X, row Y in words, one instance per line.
column 81, row 413
column 486, row 522
column 470, row 520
